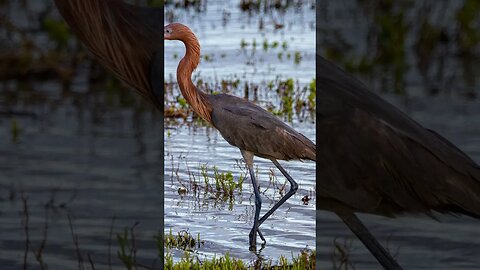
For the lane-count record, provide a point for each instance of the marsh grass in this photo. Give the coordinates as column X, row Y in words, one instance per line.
column 219, row 185
column 269, row 5
column 304, row 261
column 293, row 101
column 208, row 184
column 183, row 240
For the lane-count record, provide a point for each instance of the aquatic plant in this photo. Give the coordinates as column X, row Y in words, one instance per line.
column 127, row 252
column 297, row 58
column 312, row 95
column 182, row 240
column 15, row 130
column 286, row 91
column 57, row 31
column 467, row 19
column 304, row 261
column 196, row 4
column 222, row 185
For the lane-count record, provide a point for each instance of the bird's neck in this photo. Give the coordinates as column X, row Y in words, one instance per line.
column 197, row 99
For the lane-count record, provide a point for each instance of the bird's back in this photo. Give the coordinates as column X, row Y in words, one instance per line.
column 123, row 37
column 378, row 160
column 251, row 128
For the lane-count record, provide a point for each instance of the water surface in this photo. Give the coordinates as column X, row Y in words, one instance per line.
column 221, row 29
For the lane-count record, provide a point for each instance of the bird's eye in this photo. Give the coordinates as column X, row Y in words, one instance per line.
column 168, row 31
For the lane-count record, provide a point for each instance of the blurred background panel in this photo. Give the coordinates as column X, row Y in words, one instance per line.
column 424, row 57
column 79, row 151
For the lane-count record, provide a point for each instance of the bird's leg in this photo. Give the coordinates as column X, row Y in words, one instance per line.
column 357, row 227
column 293, row 189
column 248, row 156
column 258, row 207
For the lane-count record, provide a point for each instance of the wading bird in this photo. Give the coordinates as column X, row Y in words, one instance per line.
column 243, row 124
column 375, row 159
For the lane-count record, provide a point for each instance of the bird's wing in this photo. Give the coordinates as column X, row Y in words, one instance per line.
column 251, row 128
column 376, row 159
column 123, row 37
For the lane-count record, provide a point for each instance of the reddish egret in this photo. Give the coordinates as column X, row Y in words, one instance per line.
column 243, row 124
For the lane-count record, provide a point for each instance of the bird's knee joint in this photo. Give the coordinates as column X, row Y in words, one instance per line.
column 294, row 187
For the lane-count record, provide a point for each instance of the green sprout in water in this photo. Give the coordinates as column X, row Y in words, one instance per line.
column 15, row 129
column 312, row 95
column 286, row 89
column 57, row 31
column 243, row 44
column 297, row 58
column 265, row 45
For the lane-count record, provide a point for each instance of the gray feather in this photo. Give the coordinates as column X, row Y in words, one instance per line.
column 376, row 159
column 251, row 128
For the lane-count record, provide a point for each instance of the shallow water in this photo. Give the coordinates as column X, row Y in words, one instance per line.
column 225, row 229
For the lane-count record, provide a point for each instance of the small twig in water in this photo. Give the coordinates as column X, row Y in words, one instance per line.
column 75, row 242
column 91, row 261
column 25, row 226
column 110, row 244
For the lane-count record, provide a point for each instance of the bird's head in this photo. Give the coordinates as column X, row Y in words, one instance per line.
column 176, row 31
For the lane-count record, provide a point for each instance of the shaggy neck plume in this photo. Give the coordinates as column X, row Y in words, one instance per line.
column 197, row 99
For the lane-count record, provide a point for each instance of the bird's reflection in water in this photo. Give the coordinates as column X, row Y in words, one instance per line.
column 257, row 263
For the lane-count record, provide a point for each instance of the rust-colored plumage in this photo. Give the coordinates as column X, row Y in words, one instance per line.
column 122, row 37
column 243, row 124
column 197, row 99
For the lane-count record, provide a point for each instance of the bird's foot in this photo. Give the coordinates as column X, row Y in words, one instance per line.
column 253, row 237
